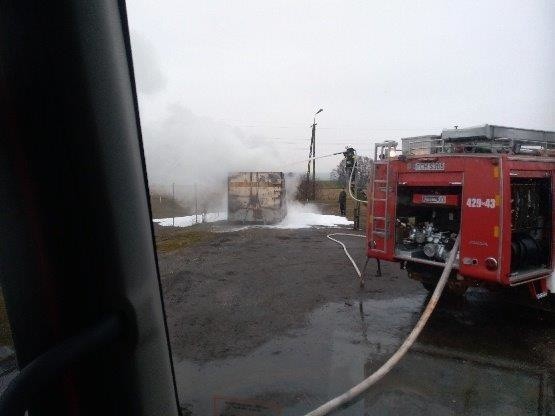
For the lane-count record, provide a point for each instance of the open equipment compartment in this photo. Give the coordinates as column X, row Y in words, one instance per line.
column 531, row 210
column 427, row 221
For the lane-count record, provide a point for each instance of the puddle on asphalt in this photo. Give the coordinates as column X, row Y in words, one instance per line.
column 341, row 345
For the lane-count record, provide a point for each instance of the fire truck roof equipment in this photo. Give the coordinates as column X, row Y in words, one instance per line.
column 483, row 139
column 491, row 132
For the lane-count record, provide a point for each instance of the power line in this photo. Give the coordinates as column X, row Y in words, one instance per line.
column 342, row 143
column 295, row 126
column 296, row 141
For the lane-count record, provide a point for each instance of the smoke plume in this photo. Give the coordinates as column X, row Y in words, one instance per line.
column 187, row 154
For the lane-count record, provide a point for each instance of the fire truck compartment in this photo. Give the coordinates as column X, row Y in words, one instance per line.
column 531, row 213
column 427, row 222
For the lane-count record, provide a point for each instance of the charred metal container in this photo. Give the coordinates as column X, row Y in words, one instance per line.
column 256, row 197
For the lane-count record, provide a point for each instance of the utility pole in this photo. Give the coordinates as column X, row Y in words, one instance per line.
column 314, row 159
column 312, row 156
column 308, row 170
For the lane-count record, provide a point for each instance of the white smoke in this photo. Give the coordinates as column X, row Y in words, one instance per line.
column 186, row 154
column 150, row 77
column 186, row 149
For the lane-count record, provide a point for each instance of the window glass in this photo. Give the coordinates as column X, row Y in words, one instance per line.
column 260, row 121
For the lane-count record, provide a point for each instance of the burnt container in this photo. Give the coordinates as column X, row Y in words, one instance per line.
column 256, row 197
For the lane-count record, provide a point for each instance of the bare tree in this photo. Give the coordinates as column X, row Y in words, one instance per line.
column 364, row 170
column 304, row 190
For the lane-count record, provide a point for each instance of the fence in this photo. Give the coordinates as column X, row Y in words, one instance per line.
column 174, row 199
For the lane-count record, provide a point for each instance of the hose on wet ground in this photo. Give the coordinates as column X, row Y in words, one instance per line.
column 368, row 382
column 359, row 274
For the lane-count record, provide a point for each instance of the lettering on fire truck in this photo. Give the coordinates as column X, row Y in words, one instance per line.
column 480, row 203
column 428, row 166
column 436, row 199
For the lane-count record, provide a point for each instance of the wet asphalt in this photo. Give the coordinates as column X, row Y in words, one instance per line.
column 460, row 366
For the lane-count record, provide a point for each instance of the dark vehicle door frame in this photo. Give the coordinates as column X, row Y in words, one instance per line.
column 78, row 265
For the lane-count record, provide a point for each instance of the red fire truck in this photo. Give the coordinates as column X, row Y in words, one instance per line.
column 492, row 184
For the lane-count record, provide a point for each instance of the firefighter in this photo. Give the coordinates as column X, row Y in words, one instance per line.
column 342, row 203
column 356, row 216
column 361, row 195
column 350, row 170
column 349, row 155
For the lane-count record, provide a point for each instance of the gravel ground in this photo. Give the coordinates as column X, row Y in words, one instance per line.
column 236, row 290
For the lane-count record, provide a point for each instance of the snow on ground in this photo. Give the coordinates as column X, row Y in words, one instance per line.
column 306, row 216
column 191, row 219
column 308, row 219
column 298, row 216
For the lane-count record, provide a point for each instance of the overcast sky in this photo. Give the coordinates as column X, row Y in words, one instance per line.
column 380, row 70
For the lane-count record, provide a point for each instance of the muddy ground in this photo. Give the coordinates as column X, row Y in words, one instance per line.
column 276, row 316
column 235, row 290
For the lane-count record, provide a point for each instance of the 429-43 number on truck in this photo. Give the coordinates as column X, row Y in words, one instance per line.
column 480, row 203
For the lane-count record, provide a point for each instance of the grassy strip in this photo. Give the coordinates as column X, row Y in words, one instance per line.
column 328, row 184
column 180, row 239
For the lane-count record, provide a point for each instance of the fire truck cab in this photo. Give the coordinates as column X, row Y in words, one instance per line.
column 492, row 184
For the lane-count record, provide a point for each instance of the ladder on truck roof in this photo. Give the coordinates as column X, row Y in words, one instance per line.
column 380, row 194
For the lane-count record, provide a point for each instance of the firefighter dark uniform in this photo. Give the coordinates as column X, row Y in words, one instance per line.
column 342, row 203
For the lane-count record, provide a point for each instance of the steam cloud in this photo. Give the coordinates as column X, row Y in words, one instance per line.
column 184, row 149
column 187, row 149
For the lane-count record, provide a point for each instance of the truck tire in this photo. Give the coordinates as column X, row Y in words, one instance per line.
column 455, row 288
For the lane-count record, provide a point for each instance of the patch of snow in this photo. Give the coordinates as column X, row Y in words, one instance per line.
column 309, row 219
column 190, row 220
column 307, row 216
column 298, row 216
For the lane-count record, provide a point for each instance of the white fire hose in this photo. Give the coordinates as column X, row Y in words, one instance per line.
column 351, row 181
column 360, row 388
column 359, row 274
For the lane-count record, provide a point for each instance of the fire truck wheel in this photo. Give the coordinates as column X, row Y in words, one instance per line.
column 456, row 288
